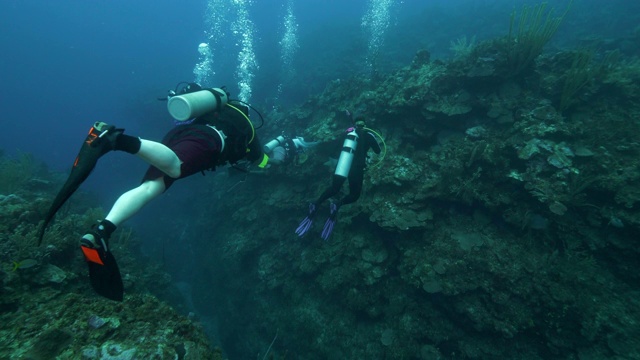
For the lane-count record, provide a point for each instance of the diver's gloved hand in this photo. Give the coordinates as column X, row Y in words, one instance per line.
column 331, row 221
column 305, row 225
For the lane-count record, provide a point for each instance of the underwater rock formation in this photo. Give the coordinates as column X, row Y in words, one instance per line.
column 48, row 310
column 500, row 224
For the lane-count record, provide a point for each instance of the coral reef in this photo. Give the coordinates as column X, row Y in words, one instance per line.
column 499, row 225
column 48, row 309
column 502, row 224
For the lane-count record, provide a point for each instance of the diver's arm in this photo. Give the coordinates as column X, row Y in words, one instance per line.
column 373, row 143
column 299, row 142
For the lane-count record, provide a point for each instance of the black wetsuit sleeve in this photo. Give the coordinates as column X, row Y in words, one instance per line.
column 330, row 148
column 255, row 150
column 373, row 143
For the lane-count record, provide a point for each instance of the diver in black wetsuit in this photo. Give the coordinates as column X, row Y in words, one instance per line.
column 351, row 165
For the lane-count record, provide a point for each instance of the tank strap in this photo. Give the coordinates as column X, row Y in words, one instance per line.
column 216, row 94
column 222, row 137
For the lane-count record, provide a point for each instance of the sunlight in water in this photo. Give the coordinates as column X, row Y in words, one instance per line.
column 203, row 69
column 244, row 29
column 222, row 15
column 215, row 20
column 288, row 47
column 289, row 43
column 375, row 23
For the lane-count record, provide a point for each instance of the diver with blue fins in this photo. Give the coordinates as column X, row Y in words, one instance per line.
column 358, row 140
column 212, row 131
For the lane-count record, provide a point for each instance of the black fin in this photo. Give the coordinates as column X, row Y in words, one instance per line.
column 105, row 278
column 82, row 166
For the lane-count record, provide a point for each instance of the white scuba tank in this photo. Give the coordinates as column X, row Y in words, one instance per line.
column 273, row 143
column 188, row 106
column 346, row 155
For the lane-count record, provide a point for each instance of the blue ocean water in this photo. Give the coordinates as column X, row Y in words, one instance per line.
column 69, row 63
column 66, row 64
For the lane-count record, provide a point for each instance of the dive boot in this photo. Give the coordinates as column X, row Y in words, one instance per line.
column 103, row 137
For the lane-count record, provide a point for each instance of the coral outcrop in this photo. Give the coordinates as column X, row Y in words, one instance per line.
column 499, row 225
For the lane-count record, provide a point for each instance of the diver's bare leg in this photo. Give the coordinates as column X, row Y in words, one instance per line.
column 160, row 156
column 129, row 203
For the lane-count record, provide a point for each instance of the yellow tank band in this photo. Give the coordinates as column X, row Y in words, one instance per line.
column 265, row 160
column 253, row 130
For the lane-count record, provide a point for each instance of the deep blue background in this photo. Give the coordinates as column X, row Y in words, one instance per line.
column 68, row 63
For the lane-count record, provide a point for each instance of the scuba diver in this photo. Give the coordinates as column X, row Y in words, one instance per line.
column 351, row 165
column 284, row 150
column 214, row 131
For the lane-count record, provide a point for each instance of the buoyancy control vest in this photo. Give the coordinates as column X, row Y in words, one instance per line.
column 232, row 121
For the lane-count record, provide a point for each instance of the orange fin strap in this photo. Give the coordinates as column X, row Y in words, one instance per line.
column 91, row 255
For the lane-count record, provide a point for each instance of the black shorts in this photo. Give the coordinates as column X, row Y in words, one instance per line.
column 198, row 148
